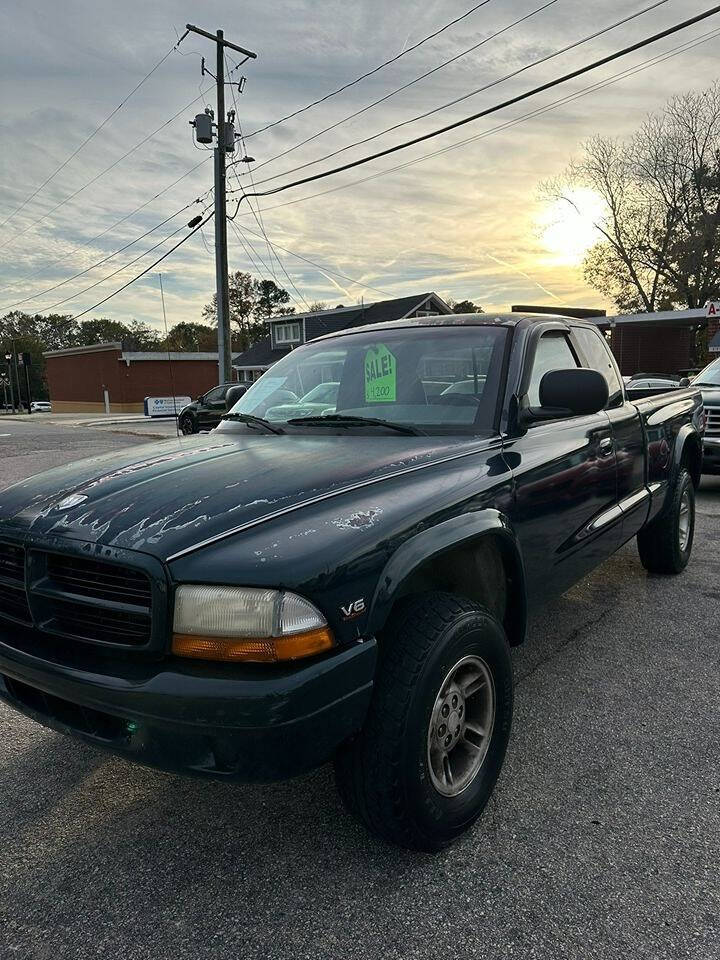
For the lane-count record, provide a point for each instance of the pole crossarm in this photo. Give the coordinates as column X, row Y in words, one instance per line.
column 225, row 43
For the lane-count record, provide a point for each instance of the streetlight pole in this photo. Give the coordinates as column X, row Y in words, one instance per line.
column 8, row 360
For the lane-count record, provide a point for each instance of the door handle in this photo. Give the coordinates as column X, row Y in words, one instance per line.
column 606, row 447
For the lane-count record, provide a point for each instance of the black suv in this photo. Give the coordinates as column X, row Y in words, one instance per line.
column 206, row 412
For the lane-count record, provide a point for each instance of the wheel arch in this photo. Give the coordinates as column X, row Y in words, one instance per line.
column 688, row 453
column 476, row 556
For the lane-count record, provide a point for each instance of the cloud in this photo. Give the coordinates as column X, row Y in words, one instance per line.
column 462, row 222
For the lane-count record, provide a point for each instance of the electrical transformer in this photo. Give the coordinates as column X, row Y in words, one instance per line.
column 203, row 128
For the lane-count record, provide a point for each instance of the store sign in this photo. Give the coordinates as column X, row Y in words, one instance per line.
column 712, row 308
column 165, row 406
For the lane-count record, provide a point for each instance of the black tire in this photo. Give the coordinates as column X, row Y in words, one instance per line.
column 661, row 546
column 188, row 424
column 384, row 775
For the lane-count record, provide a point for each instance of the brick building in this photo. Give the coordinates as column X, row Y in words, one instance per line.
column 79, row 378
column 663, row 342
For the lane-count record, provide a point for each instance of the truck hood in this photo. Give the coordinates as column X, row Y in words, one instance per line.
column 166, row 497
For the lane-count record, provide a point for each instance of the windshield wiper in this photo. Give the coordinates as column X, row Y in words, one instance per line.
column 340, row 420
column 252, row 421
column 704, row 383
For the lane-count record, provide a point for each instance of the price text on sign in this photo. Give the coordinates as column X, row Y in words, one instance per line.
column 380, row 375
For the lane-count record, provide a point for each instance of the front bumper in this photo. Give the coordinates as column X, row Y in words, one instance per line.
column 251, row 723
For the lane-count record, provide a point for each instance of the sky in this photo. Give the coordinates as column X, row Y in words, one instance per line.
column 468, row 223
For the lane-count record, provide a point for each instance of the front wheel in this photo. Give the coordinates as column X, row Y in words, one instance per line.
column 424, row 765
column 666, row 543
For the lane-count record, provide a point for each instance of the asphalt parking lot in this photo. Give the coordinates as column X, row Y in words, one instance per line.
column 602, row 839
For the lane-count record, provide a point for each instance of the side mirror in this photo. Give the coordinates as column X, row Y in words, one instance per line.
column 234, row 394
column 684, row 382
column 569, row 393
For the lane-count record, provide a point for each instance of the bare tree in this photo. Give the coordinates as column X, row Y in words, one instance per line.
column 659, row 236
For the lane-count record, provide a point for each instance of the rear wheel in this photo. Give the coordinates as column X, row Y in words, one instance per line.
column 666, row 543
column 188, row 424
column 424, row 765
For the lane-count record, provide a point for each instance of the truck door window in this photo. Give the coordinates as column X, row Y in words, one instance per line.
column 599, row 358
column 553, row 353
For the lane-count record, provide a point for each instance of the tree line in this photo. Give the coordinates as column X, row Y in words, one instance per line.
column 252, row 303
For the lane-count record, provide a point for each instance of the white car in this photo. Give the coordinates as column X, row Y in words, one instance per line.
column 40, row 406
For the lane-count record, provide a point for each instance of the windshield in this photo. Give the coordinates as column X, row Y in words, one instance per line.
column 438, row 379
column 710, row 376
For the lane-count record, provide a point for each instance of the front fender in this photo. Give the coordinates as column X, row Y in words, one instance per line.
column 432, row 543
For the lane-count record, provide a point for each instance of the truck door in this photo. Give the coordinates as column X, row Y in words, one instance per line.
column 565, row 483
column 627, row 430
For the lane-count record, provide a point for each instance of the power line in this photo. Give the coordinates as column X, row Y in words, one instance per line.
column 548, row 85
column 472, row 93
column 258, row 218
column 616, row 78
column 321, row 268
column 271, row 247
column 112, row 226
column 369, row 73
column 94, row 133
column 109, row 276
column 146, row 270
column 247, row 246
column 102, row 173
column 99, row 263
column 405, row 86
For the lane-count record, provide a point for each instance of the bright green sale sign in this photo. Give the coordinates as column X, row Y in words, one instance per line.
column 380, row 375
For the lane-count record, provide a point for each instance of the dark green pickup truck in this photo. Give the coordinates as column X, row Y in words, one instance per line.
column 287, row 590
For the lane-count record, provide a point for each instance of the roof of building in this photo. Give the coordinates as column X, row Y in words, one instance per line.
column 93, row 348
column 393, row 309
column 131, row 355
column 260, row 354
column 659, row 318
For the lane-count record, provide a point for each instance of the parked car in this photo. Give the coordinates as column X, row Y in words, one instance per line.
column 40, row 406
column 653, row 383
column 343, row 587
column 207, row 411
column 708, row 382
column 321, row 397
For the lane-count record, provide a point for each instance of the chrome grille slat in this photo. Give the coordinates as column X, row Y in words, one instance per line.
column 712, row 423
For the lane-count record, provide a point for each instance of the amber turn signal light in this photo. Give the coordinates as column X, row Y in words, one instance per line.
column 294, row 646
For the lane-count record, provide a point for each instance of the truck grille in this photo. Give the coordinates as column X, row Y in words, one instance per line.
column 92, row 578
column 712, row 424
column 12, row 562
column 13, row 601
column 84, row 599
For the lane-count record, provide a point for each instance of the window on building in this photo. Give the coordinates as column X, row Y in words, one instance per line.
column 427, row 313
column 287, row 333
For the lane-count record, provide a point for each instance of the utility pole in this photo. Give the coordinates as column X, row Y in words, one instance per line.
column 221, row 257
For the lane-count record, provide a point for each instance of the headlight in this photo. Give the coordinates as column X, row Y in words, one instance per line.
column 246, row 623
